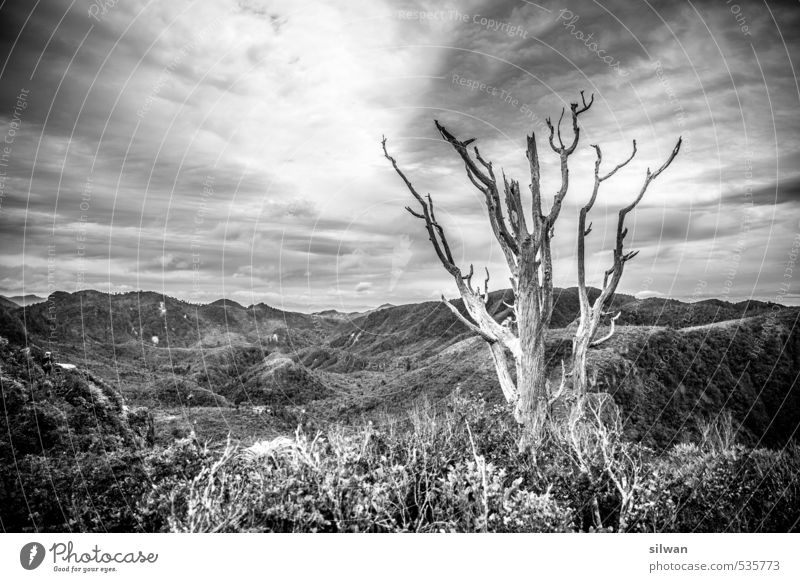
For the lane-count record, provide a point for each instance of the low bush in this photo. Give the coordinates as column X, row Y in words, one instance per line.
column 693, row 489
column 74, row 458
column 459, row 469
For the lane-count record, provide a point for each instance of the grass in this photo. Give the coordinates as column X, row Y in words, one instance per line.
column 216, row 424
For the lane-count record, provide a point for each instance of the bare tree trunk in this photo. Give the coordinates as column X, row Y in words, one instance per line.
column 580, row 351
column 507, row 384
column 531, row 408
column 532, row 404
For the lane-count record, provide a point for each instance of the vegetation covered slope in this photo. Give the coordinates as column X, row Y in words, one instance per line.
column 401, row 421
column 667, row 380
column 72, row 318
column 670, row 366
column 55, row 430
column 457, row 468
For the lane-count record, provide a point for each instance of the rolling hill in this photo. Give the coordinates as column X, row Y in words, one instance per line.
column 671, row 364
column 24, row 300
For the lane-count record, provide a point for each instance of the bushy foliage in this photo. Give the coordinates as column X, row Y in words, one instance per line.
column 73, row 458
column 668, row 380
column 176, row 391
column 68, row 449
column 430, row 475
column 460, row 470
column 697, row 489
column 85, row 492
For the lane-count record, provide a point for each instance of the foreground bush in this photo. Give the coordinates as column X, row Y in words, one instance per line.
column 695, row 489
column 429, row 476
column 455, row 467
column 459, row 470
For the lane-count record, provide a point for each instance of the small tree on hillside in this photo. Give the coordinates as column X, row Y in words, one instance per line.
column 527, row 251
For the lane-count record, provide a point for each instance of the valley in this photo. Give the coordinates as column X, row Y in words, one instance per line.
column 257, row 371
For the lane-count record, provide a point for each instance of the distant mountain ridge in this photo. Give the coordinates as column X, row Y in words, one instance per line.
column 144, row 315
column 24, row 300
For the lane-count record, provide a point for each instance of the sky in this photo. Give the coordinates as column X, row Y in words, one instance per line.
column 231, row 148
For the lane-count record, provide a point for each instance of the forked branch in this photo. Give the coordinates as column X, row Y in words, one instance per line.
column 481, row 174
column 620, row 257
column 592, row 313
column 435, row 231
column 564, row 152
column 475, row 300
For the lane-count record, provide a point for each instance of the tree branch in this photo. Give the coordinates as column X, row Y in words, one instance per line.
column 474, row 301
column 516, row 212
column 557, row 394
column 470, row 325
column 650, row 176
column 487, row 184
column 533, row 159
column 507, row 384
column 610, row 333
column 564, row 154
column 583, row 230
column 620, row 258
column 618, row 167
column 435, row 231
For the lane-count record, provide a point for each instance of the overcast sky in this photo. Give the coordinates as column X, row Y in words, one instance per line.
column 231, row 148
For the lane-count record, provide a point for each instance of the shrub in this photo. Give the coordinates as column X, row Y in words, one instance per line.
column 735, row 490
column 451, row 467
column 425, row 476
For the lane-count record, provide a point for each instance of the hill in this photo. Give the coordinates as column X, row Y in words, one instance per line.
column 23, row 300
column 151, row 318
column 168, row 354
column 7, row 303
column 667, row 382
column 135, row 410
column 414, row 328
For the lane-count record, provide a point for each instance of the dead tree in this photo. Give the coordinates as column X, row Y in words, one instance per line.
column 591, row 314
column 527, row 250
column 527, row 253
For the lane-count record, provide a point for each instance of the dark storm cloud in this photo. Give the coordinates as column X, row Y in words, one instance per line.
column 785, row 192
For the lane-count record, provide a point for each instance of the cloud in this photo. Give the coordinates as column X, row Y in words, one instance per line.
column 246, row 133
column 784, row 192
column 363, row 287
